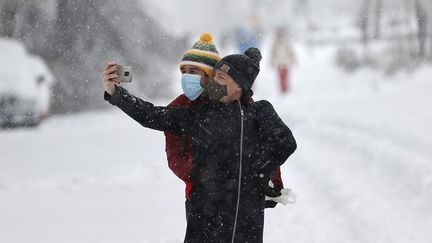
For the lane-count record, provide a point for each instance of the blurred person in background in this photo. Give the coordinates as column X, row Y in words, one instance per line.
column 282, row 59
column 248, row 35
column 236, row 147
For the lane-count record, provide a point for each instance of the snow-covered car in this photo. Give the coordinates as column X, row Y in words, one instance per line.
column 25, row 86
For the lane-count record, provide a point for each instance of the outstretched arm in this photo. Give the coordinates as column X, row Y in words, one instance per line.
column 174, row 120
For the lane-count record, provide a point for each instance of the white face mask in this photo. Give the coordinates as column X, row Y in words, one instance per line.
column 191, row 85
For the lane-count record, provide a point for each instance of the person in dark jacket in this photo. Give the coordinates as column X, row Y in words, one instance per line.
column 197, row 66
column 236, row 146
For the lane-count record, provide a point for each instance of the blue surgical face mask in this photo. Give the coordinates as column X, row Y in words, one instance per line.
column 191, row 85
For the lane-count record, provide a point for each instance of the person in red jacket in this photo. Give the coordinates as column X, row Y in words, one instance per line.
column 197, row 67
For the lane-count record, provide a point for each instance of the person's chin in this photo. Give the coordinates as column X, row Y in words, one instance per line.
column 225, row 100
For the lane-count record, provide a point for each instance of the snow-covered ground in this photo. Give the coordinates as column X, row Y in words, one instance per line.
column 362, row 171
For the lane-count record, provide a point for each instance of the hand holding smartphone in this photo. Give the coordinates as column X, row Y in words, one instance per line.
column 125, row 74
column 113, row 74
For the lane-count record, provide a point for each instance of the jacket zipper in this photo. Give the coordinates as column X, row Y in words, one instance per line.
column 240, row 171
column 205, row 129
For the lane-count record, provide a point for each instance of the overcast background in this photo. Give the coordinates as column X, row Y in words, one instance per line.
column 359, row 107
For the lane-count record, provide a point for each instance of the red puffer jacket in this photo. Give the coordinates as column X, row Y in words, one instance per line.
column 179, row 149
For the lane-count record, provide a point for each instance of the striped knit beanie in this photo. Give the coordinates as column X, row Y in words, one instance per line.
column 203, row 54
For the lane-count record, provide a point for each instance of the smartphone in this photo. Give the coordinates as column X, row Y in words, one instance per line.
column 125, row 74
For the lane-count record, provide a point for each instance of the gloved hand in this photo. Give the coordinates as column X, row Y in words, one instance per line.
column 270, row 204
column 269, row 191
column 287, row 197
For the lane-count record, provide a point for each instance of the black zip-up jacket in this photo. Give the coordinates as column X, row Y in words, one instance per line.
column 219, row 155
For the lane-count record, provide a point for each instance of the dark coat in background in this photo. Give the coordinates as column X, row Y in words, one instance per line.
column 215, row 129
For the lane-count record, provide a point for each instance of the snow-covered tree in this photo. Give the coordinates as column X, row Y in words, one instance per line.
column 76, row 38
column 421, row 17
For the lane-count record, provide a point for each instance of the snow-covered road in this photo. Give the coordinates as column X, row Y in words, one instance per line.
column 362, row 171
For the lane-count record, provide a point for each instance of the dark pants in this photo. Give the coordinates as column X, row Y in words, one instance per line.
column 212, row 221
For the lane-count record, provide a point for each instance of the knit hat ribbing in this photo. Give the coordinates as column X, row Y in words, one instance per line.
column 203, row 55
